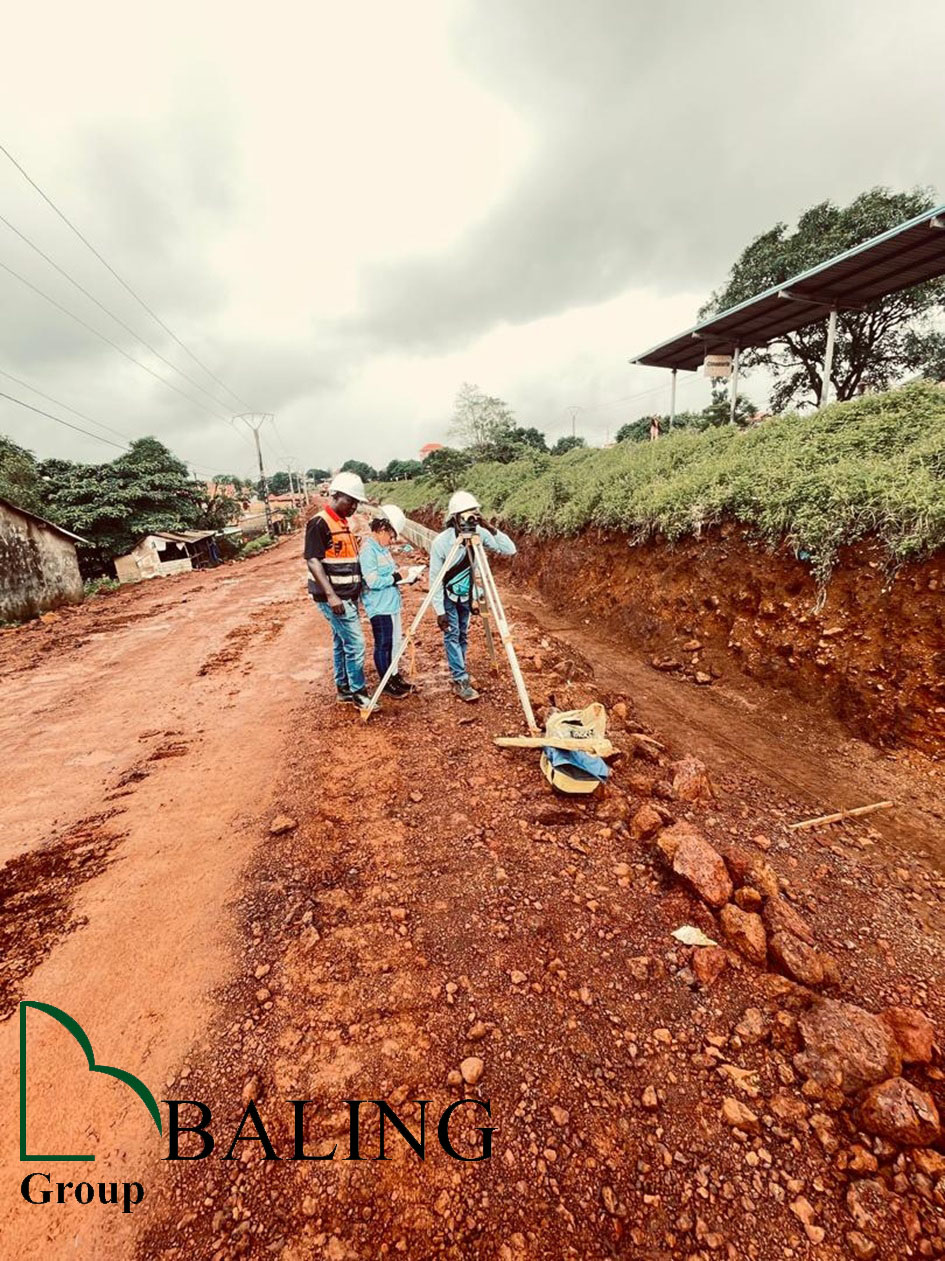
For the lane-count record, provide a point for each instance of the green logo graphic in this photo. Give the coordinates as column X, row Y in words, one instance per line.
column 78, row 1033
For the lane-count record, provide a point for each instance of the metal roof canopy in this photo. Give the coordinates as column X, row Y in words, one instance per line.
column 897, row 259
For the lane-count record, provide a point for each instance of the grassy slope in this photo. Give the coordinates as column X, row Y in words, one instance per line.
column 875, row 466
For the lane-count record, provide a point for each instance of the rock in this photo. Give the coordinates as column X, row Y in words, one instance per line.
column 649, row 1098
column 696, row 862
column 796, row 958
column 416, row 796
column 702, row 678
column 752, row 1027
column 609, row 1199
column 282, row 823
column 913, row 1031
column 845, row 1046
column 691, row 780
column 672, row 837
column 517, row 978
column 788, row 1108
column 748, row 899
column 751, row 869
column 454, row 1077
column 739, row 1116
column 560, row 1115
column 708, row 962
column 646, row 822
column 898, row 1111
column 780, row 917
column 746, row 932
column 872, row 1208
column 251, row 1091
column 803, row 1210
column 471, row 1069
column 932, row 1164
column 862, row 1248
column 476, row 1032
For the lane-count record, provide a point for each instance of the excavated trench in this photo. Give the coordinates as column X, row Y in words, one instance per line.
column 870, row 650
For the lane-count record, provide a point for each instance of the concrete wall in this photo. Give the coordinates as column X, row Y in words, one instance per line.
column 146, row 561
column 38, row 567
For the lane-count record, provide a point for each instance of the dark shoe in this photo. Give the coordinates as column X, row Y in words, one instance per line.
column 465, row 692
column 344, row 697
column 362, row 701
column 397, row 687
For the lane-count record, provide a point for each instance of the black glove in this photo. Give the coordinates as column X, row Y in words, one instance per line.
column 443, row 622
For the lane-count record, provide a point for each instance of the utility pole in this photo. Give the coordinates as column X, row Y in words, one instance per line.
column 255, row 421
column 574, row 411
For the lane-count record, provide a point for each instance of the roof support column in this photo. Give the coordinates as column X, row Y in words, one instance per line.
column 734, row 388
column 828, row 358
column 672, row 400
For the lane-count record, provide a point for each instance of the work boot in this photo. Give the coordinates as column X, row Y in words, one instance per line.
column 464, row 691
column 397, row 688
column 343, row 696
column 362, row 701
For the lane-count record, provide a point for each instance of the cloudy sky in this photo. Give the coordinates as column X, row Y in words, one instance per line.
column 345, row 211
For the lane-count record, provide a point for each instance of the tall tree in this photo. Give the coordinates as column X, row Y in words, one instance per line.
column 446, row 467
column 366, row 472
column 480, row 420
column 875, row 346
column 20, row 481
column 113, row 505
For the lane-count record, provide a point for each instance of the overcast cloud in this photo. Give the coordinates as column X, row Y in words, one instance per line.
column 346, row 211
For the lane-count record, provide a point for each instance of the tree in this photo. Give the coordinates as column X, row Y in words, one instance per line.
column 400, row 470
column 319, row 474
column 480, row 420
column 446, row 467
column 719, row 411
column 529, row 438
column 570, row 443
column 279, row 484
column 217, row 510
column 364, row 471
column 114, row 504
column 875, row 346
column 20, row 481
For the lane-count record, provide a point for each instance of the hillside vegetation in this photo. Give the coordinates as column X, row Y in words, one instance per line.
column 871, row 467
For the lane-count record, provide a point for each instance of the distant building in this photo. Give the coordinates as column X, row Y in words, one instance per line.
column 429, row 447
column 167, row 552
column 39, row 569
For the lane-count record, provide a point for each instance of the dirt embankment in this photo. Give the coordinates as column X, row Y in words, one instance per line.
column 871, row 652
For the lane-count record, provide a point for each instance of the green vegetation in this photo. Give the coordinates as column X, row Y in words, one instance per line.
column 873, row 466
column 100, row 586
column 256, row 545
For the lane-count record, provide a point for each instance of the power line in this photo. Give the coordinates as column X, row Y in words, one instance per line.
column 108, row 341
column 111, row 314
column 65, row 406
column 122, row 446
column 141, row 302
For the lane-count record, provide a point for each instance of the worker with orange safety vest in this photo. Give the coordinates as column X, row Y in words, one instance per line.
column 331, row 553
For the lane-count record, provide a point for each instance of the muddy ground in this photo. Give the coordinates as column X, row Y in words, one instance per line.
column 431, row 902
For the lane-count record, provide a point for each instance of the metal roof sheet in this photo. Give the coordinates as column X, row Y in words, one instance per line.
column 898, row 259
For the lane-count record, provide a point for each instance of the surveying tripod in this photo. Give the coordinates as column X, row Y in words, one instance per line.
column 468, row 540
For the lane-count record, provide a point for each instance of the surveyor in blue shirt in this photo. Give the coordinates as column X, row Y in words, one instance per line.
column 453, row 599
column 381, row 593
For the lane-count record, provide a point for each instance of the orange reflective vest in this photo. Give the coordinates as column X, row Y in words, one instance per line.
column 341, row 558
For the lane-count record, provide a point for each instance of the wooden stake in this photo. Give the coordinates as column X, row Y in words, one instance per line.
column 856, row 813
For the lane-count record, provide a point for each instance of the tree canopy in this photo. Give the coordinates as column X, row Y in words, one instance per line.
column 875, row 346
column 20, row 481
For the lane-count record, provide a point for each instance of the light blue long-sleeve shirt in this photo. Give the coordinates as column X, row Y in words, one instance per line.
column 492, row 540
column 380, row 593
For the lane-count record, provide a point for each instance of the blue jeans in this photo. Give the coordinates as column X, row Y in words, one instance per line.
column 385, row 627
column 455, row 639
column 348, row 642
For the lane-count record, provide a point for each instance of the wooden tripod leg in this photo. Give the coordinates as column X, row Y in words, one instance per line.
column 502, row 626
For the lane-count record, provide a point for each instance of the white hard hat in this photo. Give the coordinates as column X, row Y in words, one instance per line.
column 396, row 516
column 462, row 501
column 348, row 484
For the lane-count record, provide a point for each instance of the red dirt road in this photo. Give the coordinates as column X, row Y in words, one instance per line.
column 434, row 902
